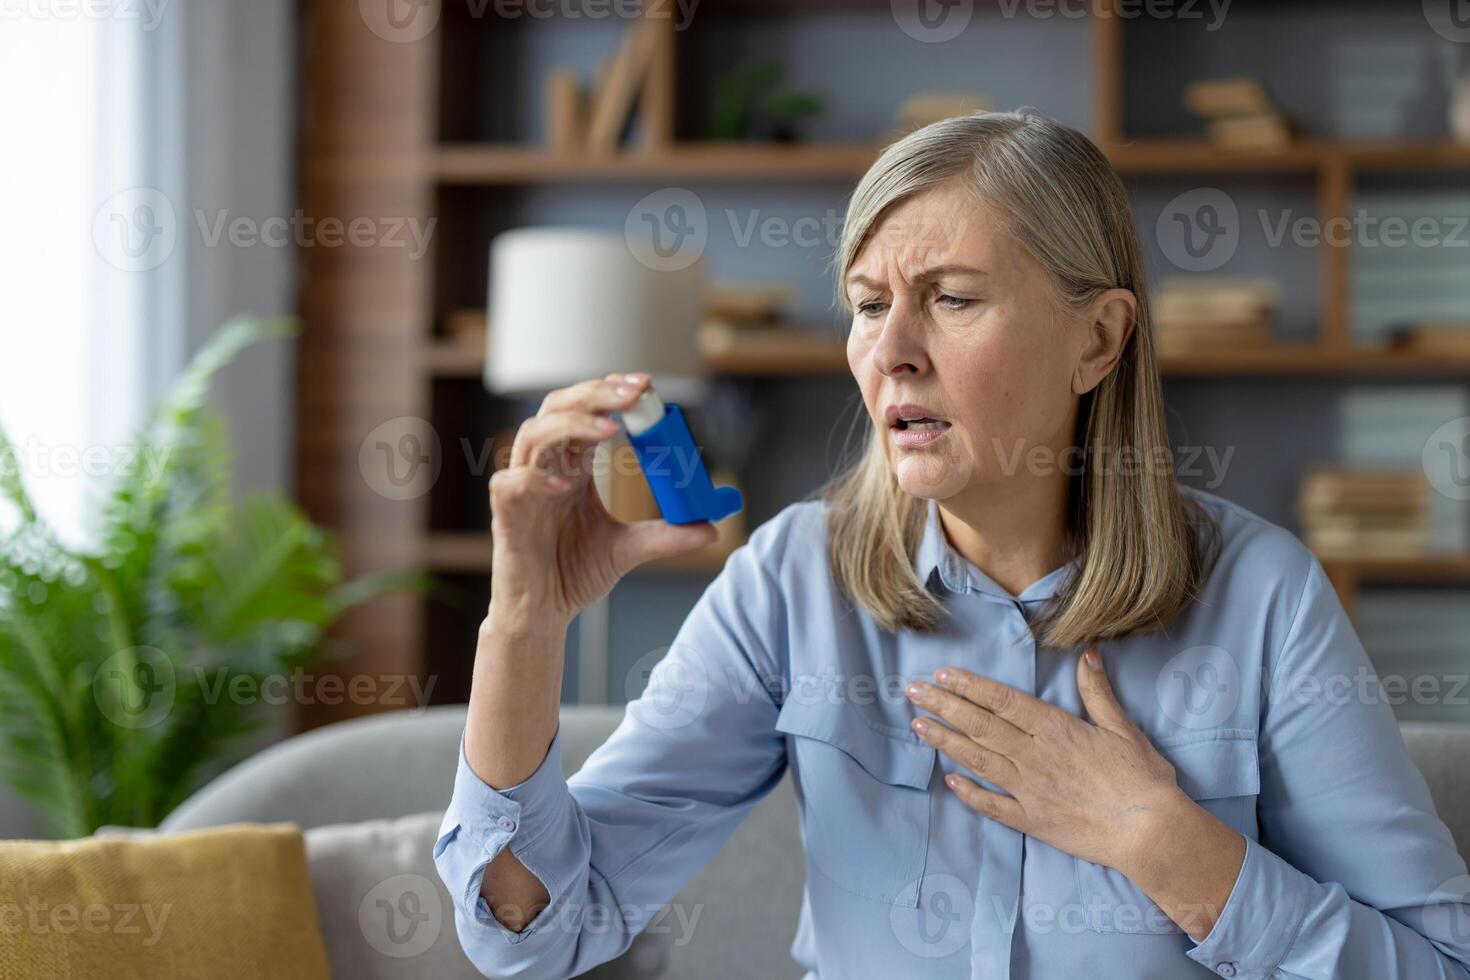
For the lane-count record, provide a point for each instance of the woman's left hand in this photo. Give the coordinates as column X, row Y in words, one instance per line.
column 1096, row 789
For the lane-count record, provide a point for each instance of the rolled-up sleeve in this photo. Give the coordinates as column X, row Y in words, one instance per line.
column 1355, row 875
column 535, row 819
column 615, row 843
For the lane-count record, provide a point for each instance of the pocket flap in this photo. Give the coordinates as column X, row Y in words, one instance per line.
column 891, row 755
column 1215, row 764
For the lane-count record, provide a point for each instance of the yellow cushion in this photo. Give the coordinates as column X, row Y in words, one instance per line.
column 230, row 902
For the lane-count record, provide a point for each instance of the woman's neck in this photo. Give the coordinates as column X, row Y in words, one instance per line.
column 1014, row 530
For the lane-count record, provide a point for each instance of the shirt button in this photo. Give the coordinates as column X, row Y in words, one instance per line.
column 508, row 825
column 1226, row 969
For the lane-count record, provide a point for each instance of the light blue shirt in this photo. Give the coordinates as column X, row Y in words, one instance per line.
column 1260, row 694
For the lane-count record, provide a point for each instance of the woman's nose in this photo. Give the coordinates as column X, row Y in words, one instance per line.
column 900, row 348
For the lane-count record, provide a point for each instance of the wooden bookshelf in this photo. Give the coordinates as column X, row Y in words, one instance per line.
column 804, row 352
column 1348, row 573
column 379, row 138
column 490, row 165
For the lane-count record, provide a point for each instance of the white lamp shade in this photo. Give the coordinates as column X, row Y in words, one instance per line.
column 568, row 304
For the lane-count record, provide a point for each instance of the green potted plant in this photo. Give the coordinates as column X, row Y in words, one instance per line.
column 105, row 717
column 750, row 104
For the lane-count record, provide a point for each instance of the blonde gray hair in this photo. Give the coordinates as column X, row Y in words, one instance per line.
column 1146, row 548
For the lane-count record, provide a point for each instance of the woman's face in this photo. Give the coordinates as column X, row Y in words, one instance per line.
column 954, row 317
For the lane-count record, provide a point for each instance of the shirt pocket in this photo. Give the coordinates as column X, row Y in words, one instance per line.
column 1220, row 772
column 865, row 798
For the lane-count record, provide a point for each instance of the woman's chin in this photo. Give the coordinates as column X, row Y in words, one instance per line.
column 932, row 476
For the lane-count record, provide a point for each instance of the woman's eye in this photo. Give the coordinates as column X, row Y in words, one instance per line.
column 871, row 308
column 953, row 302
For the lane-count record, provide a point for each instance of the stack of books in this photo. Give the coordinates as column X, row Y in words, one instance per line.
column 1193, row 314
column 1238, row 113
column 1353, row 512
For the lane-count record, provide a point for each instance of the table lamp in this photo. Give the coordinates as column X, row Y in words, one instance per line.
column 569, row 303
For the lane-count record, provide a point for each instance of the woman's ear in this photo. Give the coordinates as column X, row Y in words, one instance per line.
column 1109, row 321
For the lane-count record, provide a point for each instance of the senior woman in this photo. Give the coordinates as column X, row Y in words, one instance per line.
column 1048, row 714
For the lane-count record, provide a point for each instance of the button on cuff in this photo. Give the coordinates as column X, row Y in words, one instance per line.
column 1260, row 920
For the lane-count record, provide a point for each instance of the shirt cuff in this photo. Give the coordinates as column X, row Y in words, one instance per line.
column 481, row 822
column 1260, row 920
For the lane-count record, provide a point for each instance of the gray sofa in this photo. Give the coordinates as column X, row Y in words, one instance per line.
column 369, row 794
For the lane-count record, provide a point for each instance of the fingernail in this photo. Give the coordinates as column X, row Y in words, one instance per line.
column 1093, row 659
column 951, row 781
column 920, row 725
column 633, row 377
column 607, row 425
column 623, row 391
column 915, row 692
column 942, row 676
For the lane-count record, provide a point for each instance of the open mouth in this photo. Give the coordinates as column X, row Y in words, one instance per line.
column 920, row 424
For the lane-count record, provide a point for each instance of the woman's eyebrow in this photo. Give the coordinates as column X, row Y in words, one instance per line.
column 927, row 275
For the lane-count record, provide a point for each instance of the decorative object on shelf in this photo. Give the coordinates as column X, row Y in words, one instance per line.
column 923, row 108
column 1349, row 511
column 1239, row 114
column 566, row 112
column 1204, row 313
column 1451, row 339
column 111, row 658
column 641, row 66
column 751, row 105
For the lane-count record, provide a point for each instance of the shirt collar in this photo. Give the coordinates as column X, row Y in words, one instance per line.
column 936, row 556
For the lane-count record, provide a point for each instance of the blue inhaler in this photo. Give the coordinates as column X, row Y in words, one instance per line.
column 671, row 464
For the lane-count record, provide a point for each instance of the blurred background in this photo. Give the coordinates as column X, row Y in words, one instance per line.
column 1299, row 175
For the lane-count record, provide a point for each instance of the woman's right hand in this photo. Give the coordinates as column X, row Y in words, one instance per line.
column 556, row 548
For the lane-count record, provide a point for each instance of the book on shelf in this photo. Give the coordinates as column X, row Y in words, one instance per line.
column 1226, row 97
column 619, row 83
column 1258, row 131
column 1239, row 114
column 1365, row 511
column 1191, row 314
